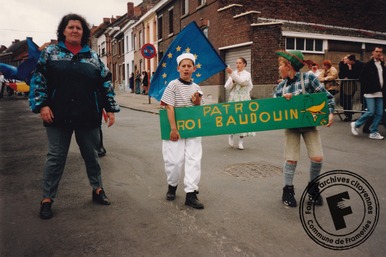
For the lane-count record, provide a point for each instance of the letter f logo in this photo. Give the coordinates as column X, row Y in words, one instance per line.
column 338, row 209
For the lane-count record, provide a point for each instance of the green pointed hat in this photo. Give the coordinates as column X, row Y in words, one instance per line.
column 295, row 57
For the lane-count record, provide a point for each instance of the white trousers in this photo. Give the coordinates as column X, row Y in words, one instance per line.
column 184, row 154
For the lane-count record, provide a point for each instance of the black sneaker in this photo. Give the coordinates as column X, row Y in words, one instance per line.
column 171, row 194
column 102, row 151
column 100, row 198
column 192, row 200
column 289, row 196
column 45, row 210
column 314, row 194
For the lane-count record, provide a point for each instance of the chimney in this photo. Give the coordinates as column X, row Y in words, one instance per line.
column 106, row 21
column 130, row 9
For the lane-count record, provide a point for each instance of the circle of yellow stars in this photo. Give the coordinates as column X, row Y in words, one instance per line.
column 187, row 50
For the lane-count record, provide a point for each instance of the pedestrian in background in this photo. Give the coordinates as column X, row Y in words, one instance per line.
column 137, row 82
column 296, row 83
column 350, row 69
column 131, row 82
column 145, row 82
column 69, row 89
column 239, row 85
column 313, row 68
column 328, row 76
column 182, row 153
column 372, row 80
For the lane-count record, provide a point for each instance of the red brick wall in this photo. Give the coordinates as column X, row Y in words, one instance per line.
column 226, row 30
column 359, row 14
column 267, row 40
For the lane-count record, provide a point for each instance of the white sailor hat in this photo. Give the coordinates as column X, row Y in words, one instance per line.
column 186, row 56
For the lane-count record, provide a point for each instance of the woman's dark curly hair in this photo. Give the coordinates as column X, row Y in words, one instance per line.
column 64, row 22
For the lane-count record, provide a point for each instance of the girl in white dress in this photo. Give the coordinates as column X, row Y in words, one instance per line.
column 239, row 85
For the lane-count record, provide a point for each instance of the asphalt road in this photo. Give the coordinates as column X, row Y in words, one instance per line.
column 241, row 190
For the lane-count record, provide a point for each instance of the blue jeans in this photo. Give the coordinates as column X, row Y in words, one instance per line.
column 374, row 108
column 59, row 139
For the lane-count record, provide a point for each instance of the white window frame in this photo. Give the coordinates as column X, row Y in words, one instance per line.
column 304, row 47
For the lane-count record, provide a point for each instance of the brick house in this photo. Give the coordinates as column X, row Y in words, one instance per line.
column 252, row 29
column 144, row 31
column 15, row 53
column 119, row 42
column 256, row 29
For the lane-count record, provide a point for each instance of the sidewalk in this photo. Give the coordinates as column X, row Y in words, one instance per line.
column 137, row 102
column 143, row 103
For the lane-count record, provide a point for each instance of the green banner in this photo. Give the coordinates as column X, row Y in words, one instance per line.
column 248, row 116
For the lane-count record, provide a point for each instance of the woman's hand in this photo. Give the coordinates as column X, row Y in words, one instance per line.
column 111, row 118
column 46, row 114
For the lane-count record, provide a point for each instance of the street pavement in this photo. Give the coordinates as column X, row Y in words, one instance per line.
column 241, row 190
column 137, row 102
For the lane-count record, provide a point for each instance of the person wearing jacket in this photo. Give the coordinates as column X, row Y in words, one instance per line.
column 372, row 80
column 69, row 89
column 295, row 83
column 349, row 70
column 328, row 76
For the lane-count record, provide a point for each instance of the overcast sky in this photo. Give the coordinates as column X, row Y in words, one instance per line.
column 39, row 19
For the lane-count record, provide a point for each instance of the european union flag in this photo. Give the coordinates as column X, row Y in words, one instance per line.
column 26, row 68
column 189, row 40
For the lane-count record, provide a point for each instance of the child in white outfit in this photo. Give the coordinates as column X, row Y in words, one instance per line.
column 182, row 153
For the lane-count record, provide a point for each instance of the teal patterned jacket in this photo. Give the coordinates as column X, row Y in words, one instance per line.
column 76, row 87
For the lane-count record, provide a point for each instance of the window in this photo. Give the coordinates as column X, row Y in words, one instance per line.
column 309, row 45
column 127, row 44
column 290, row 43
column 201, row 2
column 319, row 45
column 299, row 44
column 304, row 44
column 114, row 48
column 122, row 47
column 140, row 40
column 185, row 7
column 147, row 35
column 135, row 42
column 154, row 31
column 171, row 21
column 159, row 27
column 132, row 41
column 103, row 46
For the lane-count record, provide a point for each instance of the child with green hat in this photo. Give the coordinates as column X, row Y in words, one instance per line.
column 295, row 83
